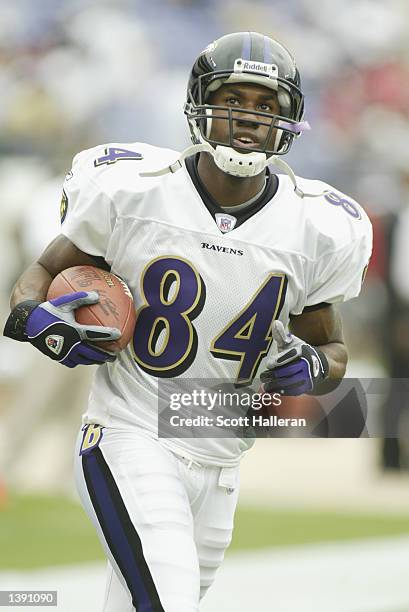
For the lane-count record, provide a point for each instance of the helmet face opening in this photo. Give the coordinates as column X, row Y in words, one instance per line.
column 286, row 125
column 246, row 58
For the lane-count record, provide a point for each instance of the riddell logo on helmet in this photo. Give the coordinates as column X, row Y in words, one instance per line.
column 241, row 65
column 256, row 66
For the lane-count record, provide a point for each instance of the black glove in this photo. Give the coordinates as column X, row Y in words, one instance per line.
column 51, row 327
column 296, row 368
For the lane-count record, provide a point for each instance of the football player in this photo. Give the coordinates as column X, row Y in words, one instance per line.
column 235, row 273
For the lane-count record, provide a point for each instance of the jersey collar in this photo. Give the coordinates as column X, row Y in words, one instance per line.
column 213, row 207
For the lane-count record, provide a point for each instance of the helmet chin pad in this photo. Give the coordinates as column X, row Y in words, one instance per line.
column 239, row 164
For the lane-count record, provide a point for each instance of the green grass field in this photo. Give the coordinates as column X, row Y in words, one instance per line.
column 39, row 531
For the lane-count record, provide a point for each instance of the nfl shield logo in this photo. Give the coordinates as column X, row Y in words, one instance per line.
column 225, row 222
column 55, row 343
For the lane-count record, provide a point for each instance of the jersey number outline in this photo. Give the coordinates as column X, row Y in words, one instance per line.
column 248, row 336
column 114, row 154
column 349, row 207
column 165, row 340
column 174, row 295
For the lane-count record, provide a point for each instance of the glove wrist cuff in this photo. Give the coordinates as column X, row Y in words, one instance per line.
column 324, row 363
column 15, row 326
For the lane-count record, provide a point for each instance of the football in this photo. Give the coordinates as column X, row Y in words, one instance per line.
column 114, row 309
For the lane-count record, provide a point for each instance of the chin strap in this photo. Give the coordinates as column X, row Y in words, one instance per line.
column 178, row 163
column 277, row 161
column 274, row 160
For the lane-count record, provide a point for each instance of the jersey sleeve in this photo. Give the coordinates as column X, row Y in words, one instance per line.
column 87, row 212
column 338, row 274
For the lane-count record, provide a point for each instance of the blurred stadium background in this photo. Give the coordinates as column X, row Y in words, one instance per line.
column 322, row 524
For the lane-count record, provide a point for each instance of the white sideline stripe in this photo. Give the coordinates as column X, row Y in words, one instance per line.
column 358, row 576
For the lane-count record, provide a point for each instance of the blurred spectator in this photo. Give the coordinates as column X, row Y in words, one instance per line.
column 396, row 409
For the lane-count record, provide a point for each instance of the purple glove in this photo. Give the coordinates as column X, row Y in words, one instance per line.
column 296, row 368
column 51, row 327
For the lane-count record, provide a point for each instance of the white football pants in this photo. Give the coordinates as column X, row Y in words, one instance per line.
column 165, row 522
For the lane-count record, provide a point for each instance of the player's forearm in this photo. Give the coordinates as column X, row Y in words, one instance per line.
column 60, row 254
column 32, row 285
column 337, row 356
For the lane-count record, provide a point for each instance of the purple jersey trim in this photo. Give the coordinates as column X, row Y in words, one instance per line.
column 126, row 547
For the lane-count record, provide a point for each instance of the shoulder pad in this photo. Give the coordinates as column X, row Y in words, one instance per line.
column 122, row 159
column 333, row 214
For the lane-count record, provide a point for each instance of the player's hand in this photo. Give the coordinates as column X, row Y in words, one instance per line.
column 296, row 368
column 51, row 327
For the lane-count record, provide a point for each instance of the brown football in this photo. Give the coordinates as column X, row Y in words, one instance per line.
column 114, row 309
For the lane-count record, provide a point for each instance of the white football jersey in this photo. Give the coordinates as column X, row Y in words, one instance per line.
column 206, row 288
